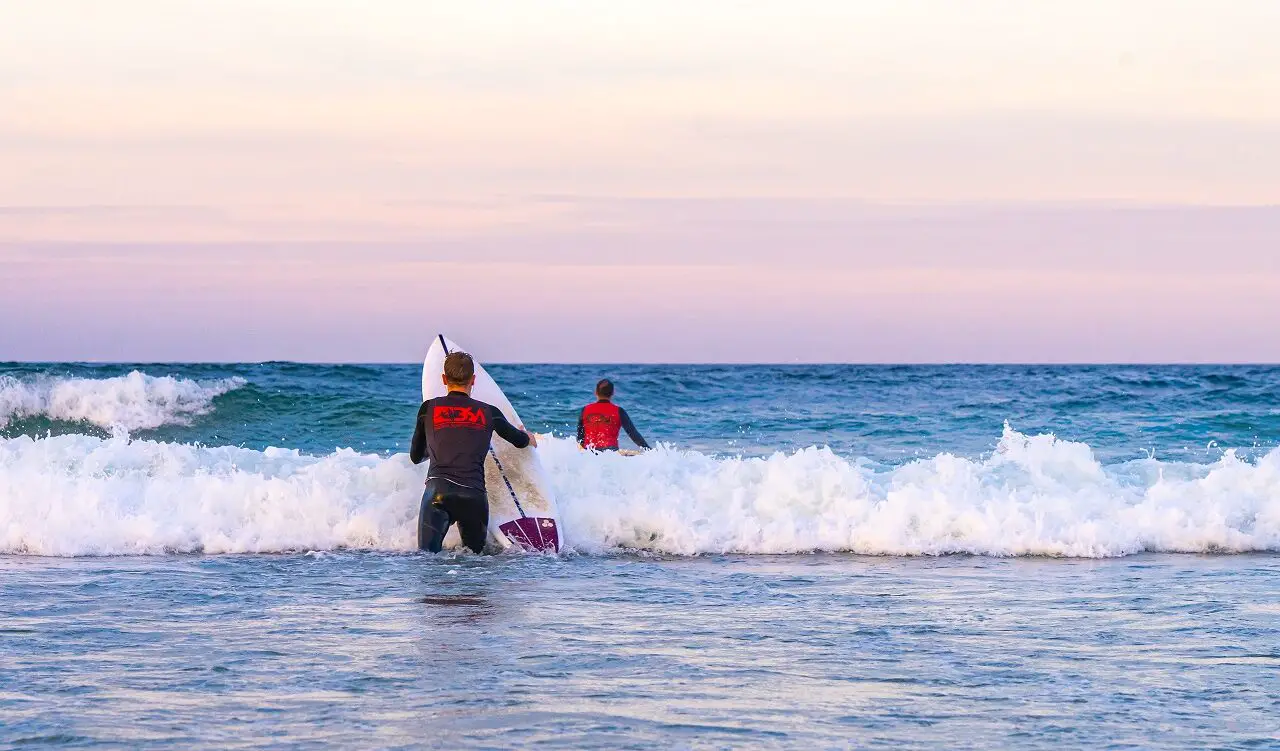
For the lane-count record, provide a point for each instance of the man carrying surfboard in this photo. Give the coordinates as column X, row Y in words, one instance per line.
column 600, row 422
column 453, row 431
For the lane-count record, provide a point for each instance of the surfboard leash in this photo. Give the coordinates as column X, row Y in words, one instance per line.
column 503, row 471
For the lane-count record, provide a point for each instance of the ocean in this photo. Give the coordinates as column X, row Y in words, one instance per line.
column 832, row 556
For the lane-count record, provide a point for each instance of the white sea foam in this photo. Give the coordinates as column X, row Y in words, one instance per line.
column 1035, row 495
column 78, row 495
column 135, row 401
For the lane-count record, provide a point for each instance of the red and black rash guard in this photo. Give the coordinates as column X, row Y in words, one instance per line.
column 454, row 431
column 599, row 424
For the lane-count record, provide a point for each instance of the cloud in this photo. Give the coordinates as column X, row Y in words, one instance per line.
column 566, row 230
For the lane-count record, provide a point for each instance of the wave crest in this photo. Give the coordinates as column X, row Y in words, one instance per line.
column 136, row 401
column 1034, row 495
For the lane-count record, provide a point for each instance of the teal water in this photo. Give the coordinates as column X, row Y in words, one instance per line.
column 887, row 413
column 219, row 556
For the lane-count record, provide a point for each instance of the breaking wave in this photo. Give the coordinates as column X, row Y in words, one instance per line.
column 1034, row 495
column 136, row 401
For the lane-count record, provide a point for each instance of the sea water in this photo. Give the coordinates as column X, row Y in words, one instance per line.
column 830, row 556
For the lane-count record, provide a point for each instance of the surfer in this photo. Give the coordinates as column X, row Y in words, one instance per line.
column 600, row 422
column 453, row 432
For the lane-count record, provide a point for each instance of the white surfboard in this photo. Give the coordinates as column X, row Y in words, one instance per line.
column 522, row 509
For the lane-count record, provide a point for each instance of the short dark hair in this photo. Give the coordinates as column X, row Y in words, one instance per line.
column 604, row 388
column 459, row 368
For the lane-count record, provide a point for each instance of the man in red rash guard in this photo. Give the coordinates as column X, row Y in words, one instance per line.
column 599, row 423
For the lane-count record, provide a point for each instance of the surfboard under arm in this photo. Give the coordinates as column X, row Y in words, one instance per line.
column 529, row 520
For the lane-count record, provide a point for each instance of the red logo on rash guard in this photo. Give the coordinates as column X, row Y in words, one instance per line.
column 458, row 417
column 600, row 424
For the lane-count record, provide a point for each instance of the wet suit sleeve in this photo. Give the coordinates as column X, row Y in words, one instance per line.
column 510, row 433
column 582, row 430
column 418, row 447
column 628, row 426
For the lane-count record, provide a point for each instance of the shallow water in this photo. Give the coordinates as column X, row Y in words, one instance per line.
column 220, row 556
column 366, row 650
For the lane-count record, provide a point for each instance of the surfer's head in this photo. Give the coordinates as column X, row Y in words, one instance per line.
column 604, row 389
column 459, row 371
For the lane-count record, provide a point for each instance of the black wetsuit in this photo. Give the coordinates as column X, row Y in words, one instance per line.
column 454, row 432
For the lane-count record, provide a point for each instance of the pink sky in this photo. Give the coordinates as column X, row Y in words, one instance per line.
column 817, row 180
column 684, row 280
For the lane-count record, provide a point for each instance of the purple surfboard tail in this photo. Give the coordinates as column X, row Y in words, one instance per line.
column 533, row 533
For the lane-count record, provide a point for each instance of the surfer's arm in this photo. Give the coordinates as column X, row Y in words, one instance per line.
column 510, row 433
column 628, row 426
column 418, row 447
column 582, row 430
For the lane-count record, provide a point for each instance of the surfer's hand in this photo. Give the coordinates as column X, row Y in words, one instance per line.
column 533, row 439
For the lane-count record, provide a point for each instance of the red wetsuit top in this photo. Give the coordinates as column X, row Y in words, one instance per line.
column 599, row 424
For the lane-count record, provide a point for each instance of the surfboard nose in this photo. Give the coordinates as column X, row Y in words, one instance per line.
column 533, row 533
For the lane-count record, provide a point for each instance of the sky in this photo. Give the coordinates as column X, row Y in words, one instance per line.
column 656, row 181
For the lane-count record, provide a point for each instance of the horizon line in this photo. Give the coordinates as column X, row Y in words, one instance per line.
column 655, row 363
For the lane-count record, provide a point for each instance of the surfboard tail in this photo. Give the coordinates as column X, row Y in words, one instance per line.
column 533, row 533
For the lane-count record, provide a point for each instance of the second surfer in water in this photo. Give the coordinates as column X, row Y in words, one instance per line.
column 453, row 432
column 600, row 422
